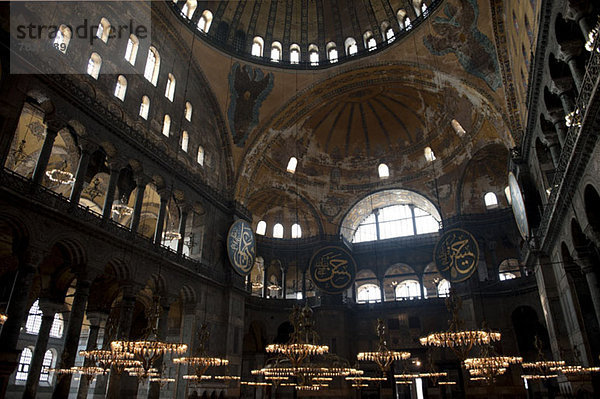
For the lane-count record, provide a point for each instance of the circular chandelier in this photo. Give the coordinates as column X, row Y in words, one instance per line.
column 60, row 176
column 3, row 318
column 575, row 369
column 147, row 350
column 541, row 369
column 89, row 371
column 105, row 359
column 201, row 362
column 489, row 365
column 383, row 356
column 592, row 37
column 303, row 340
column 459, row 340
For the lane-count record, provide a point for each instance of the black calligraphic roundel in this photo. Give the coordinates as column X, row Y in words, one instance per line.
column 332, row 269
column 456, row 255
column 241, row 247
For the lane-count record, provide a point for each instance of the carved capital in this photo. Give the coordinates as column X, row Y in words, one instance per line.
column 568, row 50
column 561, row 85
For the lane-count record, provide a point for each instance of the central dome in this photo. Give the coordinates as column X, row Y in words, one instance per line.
column 303, row 34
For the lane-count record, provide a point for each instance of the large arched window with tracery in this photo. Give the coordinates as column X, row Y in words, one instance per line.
column 408, row 289
column 34, row 322
column 400, row 213
column 24, row 363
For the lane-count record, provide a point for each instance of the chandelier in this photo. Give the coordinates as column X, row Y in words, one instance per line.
column 121, row 208
column 3, row 318
column 105, row 359
column 592, row 36
column 61, row 175
column 383, row 356
column 489, row 365
column 93, row 189
column 541, row 369
column 172, row 235
column 150, row 348
column 573, row 118
column 89, row 371
column 303, row 340
column 201, row 362
column 575, row 369
column 459, row 340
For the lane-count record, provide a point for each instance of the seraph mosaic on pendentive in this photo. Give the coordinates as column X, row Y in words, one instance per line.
column 248, row 88
column 457, row 33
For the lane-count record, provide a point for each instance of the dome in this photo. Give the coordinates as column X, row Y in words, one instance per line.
column 303, row 34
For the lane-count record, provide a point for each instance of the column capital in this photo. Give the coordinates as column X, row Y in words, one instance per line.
column 96, row 318
column 569, row 50
column 141, row 180
column 53, row 126
column 561, row 86
column 87, row 146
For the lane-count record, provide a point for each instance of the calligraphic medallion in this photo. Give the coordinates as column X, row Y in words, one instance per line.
column 332, row 269
column 456, row 255
column 518, row 206
column 241, row 247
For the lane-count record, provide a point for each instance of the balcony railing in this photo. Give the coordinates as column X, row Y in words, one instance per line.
column 48, row 198
column 574, row 148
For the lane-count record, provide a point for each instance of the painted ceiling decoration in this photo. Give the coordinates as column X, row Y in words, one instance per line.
column 248, row 87
column 457, row 33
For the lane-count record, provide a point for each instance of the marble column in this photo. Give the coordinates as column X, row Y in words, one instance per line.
column 73, row 331
column 95, row 320
column 110, row 193
column 381, row 289
column 44, row 157
column 84, row 161
column 160, row 221
column 567, row 102
column 16, row 311
column 554, row 152
column 568, row 53
column 123, row 332
column 283, row 282
column 182, row 224
column 139, row 202
column 49, row 309
column 154, row 390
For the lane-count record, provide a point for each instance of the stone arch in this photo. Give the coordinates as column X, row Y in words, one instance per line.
column 73, row 249
column 591, row 200
column 526, row 325
column 119, row 270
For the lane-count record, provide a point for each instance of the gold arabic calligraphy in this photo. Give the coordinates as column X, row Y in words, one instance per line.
column 331, row 271
column 241, row 247
column 457, row 255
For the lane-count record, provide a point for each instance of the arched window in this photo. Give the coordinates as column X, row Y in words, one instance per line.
column 58, row 325
column 296, row 231
column 24, row 363
column 408, row 289
column 417, row 6
column 443, row 288
column 46, row 365
column 313, row 54
column 429, row 155
column 261, row 228
column 145, row 107
column 507, row 195
column 205, row 21
column 34, row 319
column 170, row 89
column 294, row 54
column 351, row 47
column 384, row 171
column 152, row 66
column 257, row 46
column 369, row 41
column 188, row 111
column 424, row 10
column 332, row 53
column 188, row 8
column 200, row 156
column 62, row 39
column 121, row 87
column 185, row 139
column 94, row 64
column 389, row 35
column 401, row 14
column 166, row 129
column 278, row 230
column 133, row 44
column 401, row 213
column 103, row 30
column 458, row 128
column 509, row 269
column 368, row 293
column 276, row 52
column 491, row 201
column 291, row 166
